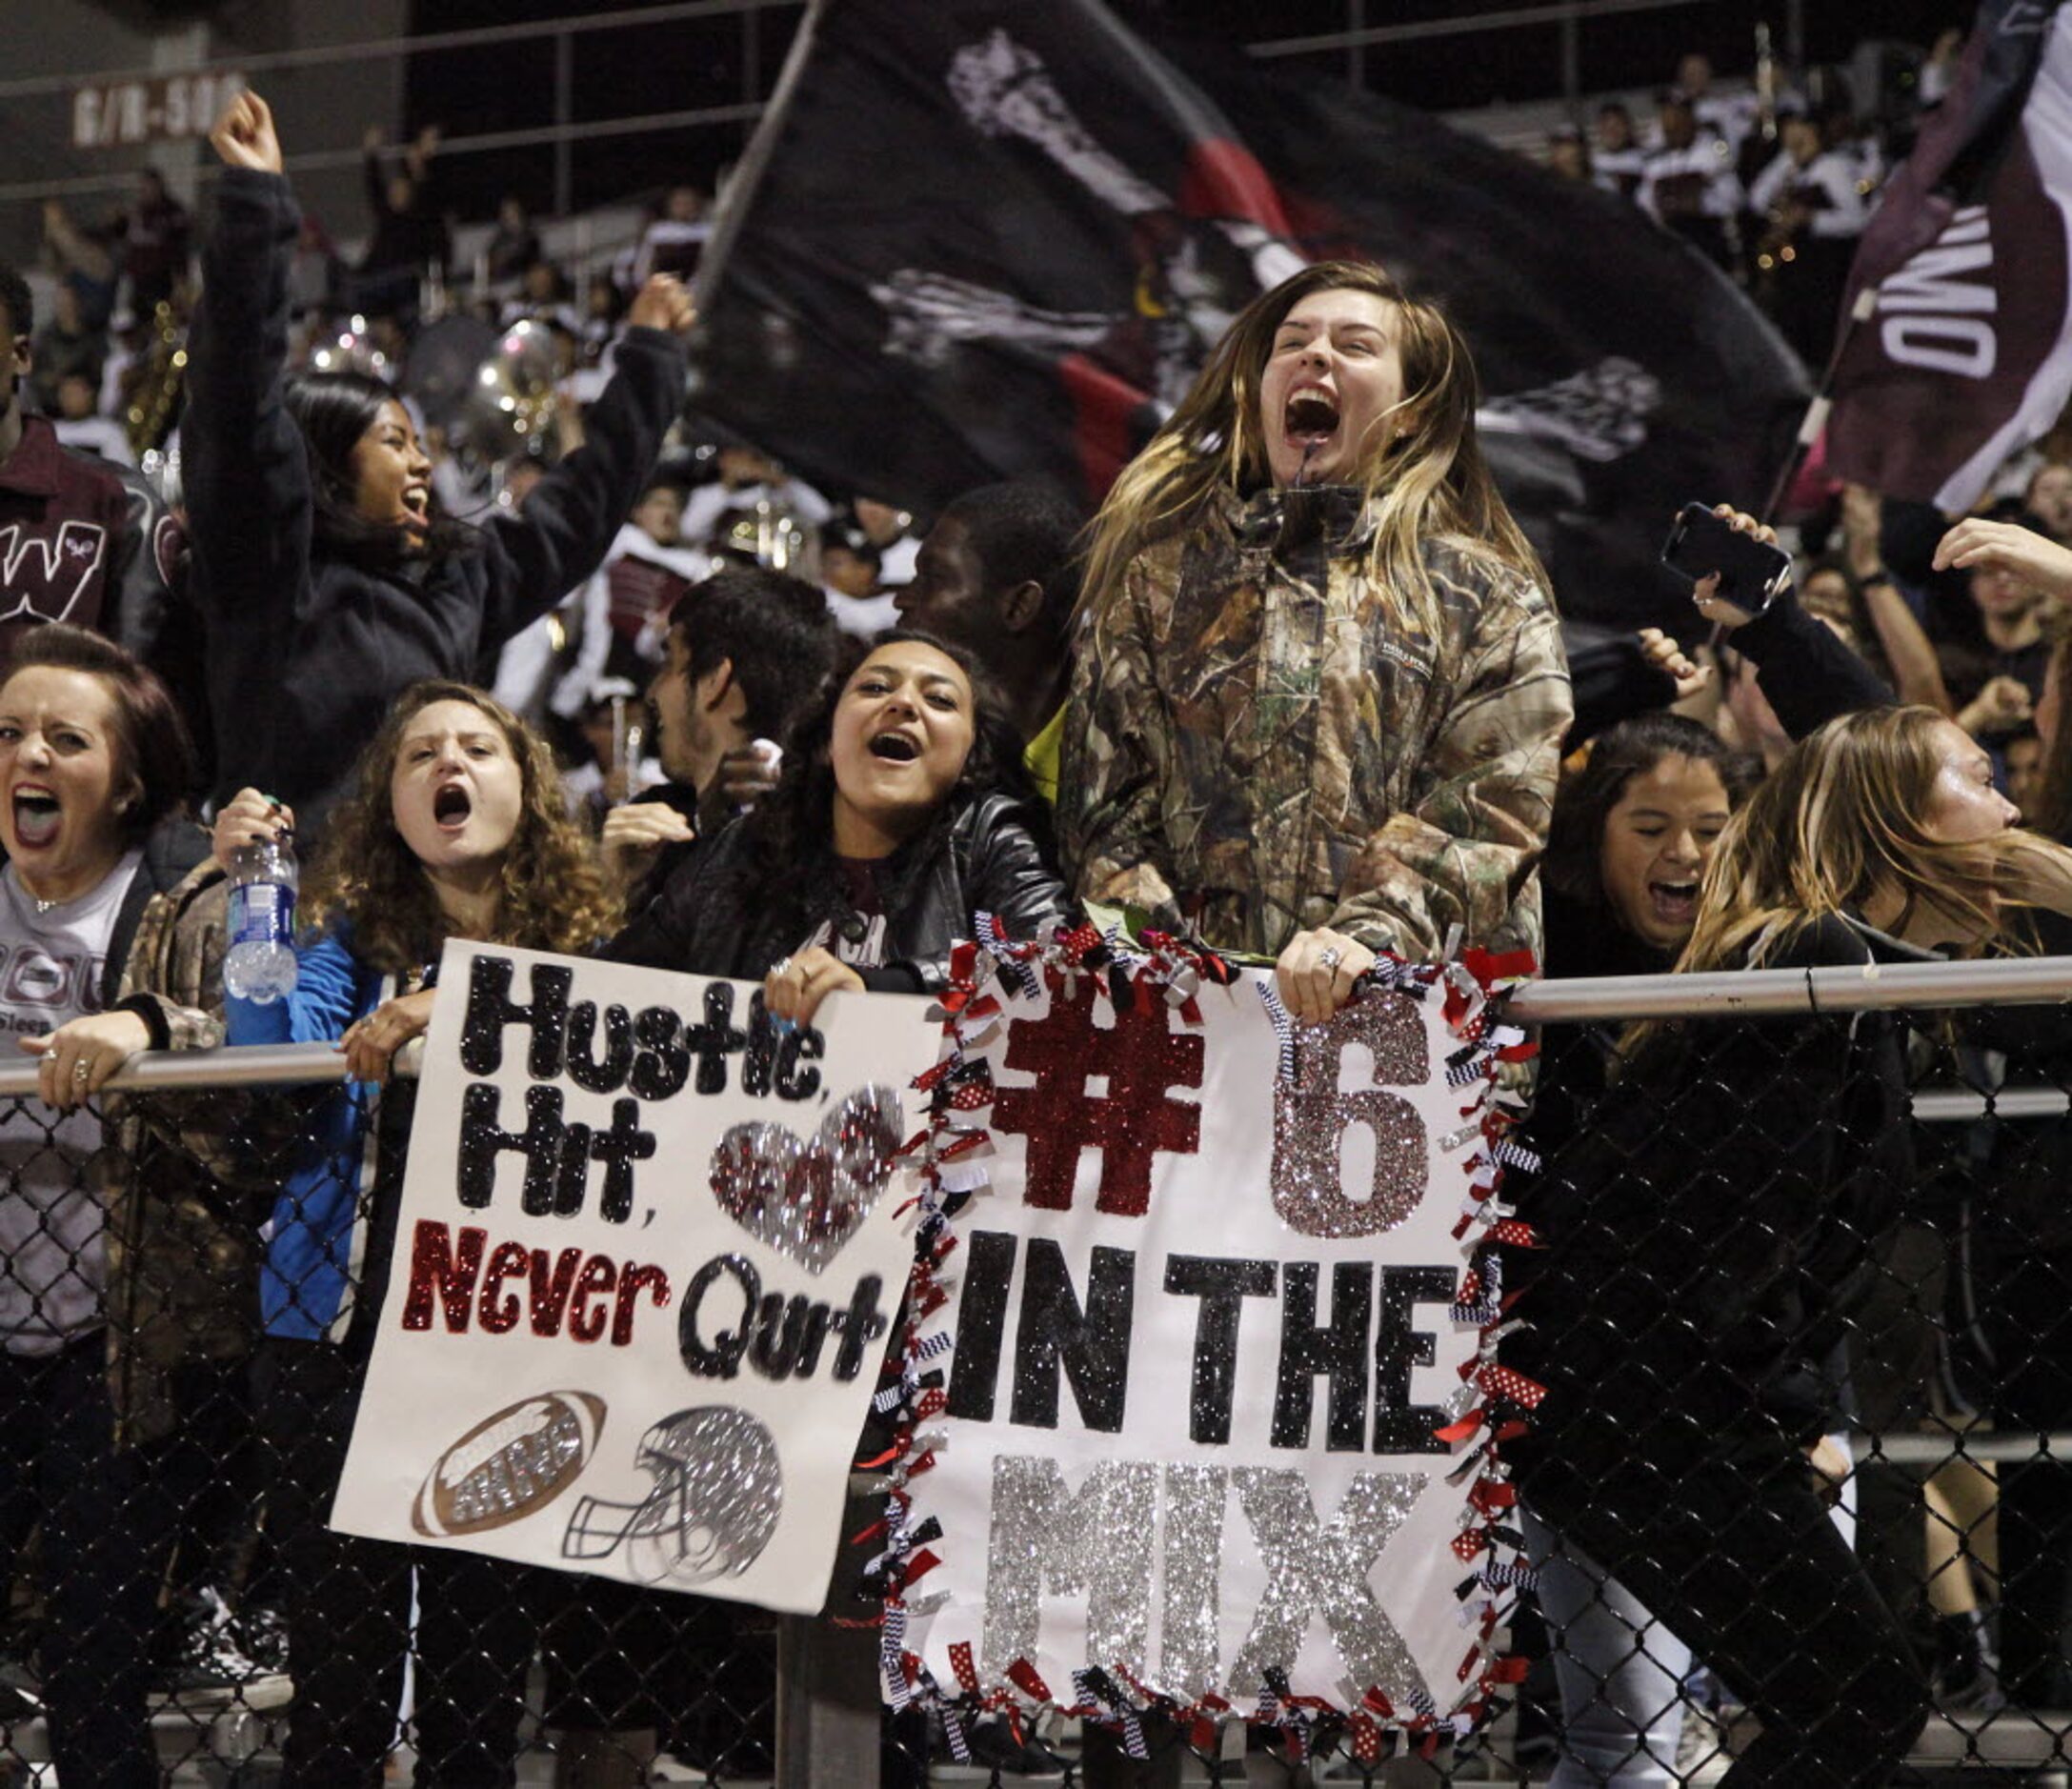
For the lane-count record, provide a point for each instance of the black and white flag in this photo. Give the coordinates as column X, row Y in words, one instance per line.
column 997, row 237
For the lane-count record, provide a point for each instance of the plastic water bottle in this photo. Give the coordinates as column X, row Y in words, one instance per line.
column 260, row 965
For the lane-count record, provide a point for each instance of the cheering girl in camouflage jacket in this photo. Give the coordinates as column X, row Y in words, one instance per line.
column 1319, row 706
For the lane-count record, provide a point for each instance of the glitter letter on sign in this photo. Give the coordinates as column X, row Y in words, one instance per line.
column 1095, row 1543
column 1311, row 1118
column 1141, row 1057
column 1314, row 1569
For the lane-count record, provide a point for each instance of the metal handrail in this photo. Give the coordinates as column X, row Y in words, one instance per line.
column 1746, row 994
column 1560, row 13
column 1756, row 993
column 484, row 142
column 240, row 1065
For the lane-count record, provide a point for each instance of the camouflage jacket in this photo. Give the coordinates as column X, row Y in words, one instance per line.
column 1257, row 745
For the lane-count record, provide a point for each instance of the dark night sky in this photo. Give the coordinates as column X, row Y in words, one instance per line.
column 702, row 63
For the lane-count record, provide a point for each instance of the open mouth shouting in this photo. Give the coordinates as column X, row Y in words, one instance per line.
column 416, row 501
column 895, row 747
column 452, row 807
column 1674, row 903
column 37, row 815
column 1310, row 418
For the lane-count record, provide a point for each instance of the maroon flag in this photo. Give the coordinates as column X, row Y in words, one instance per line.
column 1967, row 356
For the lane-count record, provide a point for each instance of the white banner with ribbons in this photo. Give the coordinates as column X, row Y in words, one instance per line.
column 1201, row 1287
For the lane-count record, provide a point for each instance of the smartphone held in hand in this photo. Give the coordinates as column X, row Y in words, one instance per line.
column 1751, row 572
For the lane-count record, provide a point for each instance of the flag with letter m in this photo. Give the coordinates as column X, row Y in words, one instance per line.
column 1966, row 357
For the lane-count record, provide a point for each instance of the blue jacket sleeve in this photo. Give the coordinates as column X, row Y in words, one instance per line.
column 535, row 557
column 333, row 989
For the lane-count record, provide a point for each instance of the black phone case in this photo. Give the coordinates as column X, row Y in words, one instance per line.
column 1751, row 573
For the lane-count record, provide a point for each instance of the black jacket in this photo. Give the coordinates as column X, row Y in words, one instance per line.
column 1807, row 673
column 716, row 918
column 306, row 652
column 1711, row 1224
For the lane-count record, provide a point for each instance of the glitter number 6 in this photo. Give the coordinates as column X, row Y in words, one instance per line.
column 1311, row 1118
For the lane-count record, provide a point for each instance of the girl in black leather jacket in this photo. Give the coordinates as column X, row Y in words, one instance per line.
column 902, row 813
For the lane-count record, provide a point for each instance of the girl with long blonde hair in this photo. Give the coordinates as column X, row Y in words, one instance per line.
column 1714, row 1228
column 1318, row 704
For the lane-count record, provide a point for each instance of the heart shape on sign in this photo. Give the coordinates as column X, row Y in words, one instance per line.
column 806, row 1196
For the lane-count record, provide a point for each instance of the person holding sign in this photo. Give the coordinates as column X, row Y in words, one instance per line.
column 1714, row 1228
column 454, row 829
column 1318, row 708
column 902, row 813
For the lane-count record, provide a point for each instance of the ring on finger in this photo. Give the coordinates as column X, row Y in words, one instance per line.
column 1330, row 957
column 80, row 1070
column 781, row 969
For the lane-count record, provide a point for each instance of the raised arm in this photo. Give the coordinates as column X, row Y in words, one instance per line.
column 1805, row 670
column 245, row 468
column 536, row 556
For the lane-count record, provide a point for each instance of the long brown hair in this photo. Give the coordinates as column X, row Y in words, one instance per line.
column 1428, row 480
column 552, row 895
column 1838, row 823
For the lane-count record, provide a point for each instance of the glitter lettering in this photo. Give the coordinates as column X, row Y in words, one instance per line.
column 575, row 1293
column 1091, row 1345
column 1096, row 1542
column 1338, row 1351
column 1223, row 1286
column 1188, row 1658
column 490, row 1008
column 482, row 1140
column 781, row 1337
column 661, row 1063
column 982, row 1324
column 557, row 1154
column 1312, row 1117
column 1317, row 1568
column 1400, row 1426
column 1141, row 1059
column 594, row 1075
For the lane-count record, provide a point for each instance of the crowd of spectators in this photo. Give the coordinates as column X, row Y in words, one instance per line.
column 1772, row 183
column 702, row 621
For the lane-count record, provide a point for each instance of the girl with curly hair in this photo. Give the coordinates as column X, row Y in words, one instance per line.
column 454, row 829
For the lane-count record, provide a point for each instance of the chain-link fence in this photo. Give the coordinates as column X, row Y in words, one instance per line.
column 1803, row 1308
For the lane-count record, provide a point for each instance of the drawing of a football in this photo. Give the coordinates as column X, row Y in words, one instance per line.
column 509, row 1464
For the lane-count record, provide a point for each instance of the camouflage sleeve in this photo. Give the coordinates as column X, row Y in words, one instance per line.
column 175, row 966
column 186, row 1027
column 1465, row 851
column 1117, row 756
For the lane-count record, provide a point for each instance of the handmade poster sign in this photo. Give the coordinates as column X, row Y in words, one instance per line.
column 1201, row 1382
column 649, row 1255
